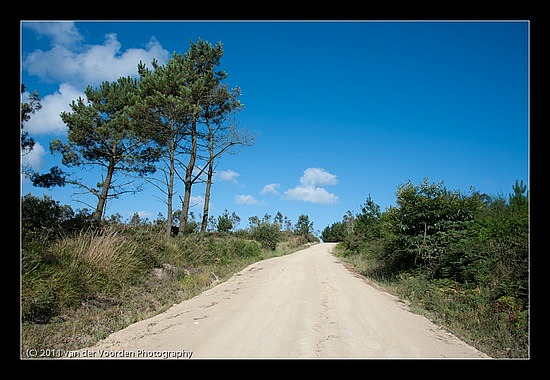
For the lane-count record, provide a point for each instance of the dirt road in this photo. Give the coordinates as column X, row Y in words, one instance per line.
column 303, row 305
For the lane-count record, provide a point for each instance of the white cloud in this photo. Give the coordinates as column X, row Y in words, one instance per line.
column 311, row 194
column 47, row 120
column 317, row 177
column 309, row 189
column 246, row 200
column 35, row 158
column 60, row 33
column 92, row 64
column 228, row 176
column 270, row 189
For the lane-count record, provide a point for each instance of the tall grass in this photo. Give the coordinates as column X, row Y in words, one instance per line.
column 70, row 270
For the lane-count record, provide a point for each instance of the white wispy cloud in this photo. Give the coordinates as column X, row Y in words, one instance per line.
column 246, row 200
column 317, row 177
column 270, row 189
column 62, row 33
column 227, row 176
column 310, row 189
column 82, row 65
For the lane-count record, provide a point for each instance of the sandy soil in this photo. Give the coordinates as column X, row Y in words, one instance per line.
column 303, row 305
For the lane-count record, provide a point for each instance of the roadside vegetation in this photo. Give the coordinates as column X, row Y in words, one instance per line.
column 461, row 260
column 81, row 281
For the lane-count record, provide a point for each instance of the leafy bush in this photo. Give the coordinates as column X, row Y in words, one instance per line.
column 246, row 248
column 45, row 219
column 267, row 234
column 336, row 232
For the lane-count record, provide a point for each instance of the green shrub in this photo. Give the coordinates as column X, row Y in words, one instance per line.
column 267, row 234
column 44, row 219
column 246, row 248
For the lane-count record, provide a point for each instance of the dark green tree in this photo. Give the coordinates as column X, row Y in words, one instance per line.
column 279, row 218
column 304, row 227
column 426, row 220
column 164, row 106
column 518, row 199
column 187, row 108
column 199, row 64
column 225, row 222
column 55, row 177
column 135, row 220
column 336, row 232
column 367, row 222
column 45, row 218
column 263, row 231
column 102, row 135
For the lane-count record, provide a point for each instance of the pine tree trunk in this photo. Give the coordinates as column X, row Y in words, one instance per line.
column 170, row 191
column 206, row 208
column 102, row 199
column 188, row 181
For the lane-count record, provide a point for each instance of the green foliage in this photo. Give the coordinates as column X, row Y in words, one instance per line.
column 362, row 227
column 68, row 260
column 102, row 133
column 518, row 200
column 225, row 223
column 70, row 269
column 100, row 130
column 304, row 228
column 44, row 218
column 427, row 218
column 55, row 177
column 336, row 232
column 187, row 111
column 367, row 222
column 77, row 288
column 266, row 233
column 27, row 109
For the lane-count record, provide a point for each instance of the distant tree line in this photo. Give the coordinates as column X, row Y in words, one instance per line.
column 44, row 220
column 178, row 118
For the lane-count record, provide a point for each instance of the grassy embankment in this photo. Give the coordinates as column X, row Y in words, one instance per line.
column 79, row 289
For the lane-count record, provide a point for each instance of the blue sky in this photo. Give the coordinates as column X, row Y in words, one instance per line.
column 341, row 110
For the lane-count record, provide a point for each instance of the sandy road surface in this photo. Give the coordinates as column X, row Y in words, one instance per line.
column 303, row 305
